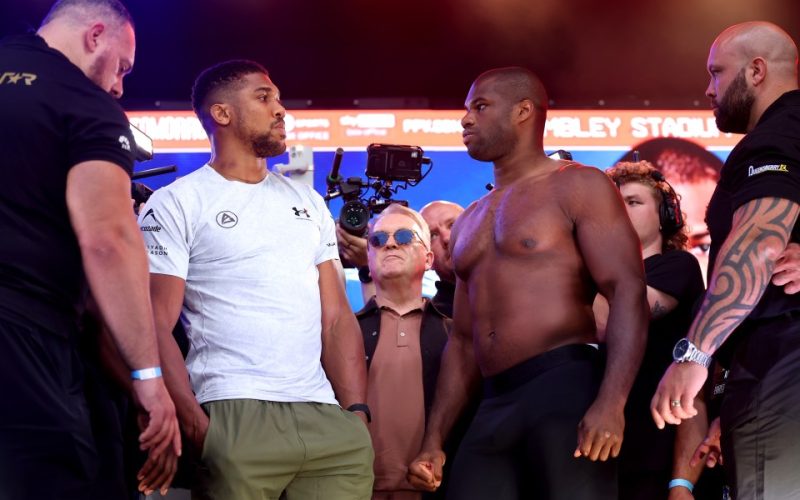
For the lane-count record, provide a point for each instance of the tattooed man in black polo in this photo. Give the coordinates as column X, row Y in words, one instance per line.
column 743, row 317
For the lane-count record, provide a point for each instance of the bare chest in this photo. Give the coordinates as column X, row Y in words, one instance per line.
column 521, row 224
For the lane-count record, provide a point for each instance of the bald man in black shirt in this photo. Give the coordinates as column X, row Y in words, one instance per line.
column 65, row 218
column 751, row 217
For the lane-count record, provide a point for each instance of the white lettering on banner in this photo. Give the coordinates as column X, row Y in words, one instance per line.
column 316, row 135
column 293, row 123
column 171, row 128
column 429, row 126
column 368, row 120
column 685, row 127
column 571, row 127
column 376, row 132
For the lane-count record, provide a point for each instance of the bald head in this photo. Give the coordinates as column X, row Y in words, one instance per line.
column 96, row 36
column 440, row 216
column 751, row 65
column 758, row 39
column 516, row 84
column 78, row 13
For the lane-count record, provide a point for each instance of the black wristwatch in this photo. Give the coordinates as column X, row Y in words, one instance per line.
column 363, row 408
column 685, row 351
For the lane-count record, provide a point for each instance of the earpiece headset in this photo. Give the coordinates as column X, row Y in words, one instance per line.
column 670, row 216
column 669, row 211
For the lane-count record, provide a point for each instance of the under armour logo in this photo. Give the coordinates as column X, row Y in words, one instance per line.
column 227, row 219
column 298, row 211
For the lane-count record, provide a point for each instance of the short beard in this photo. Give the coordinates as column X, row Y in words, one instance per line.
column 265, row 147
column 491, row 149
column 733, row 111
column 97, row 69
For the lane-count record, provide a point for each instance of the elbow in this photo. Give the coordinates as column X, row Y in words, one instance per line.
column 104, row 244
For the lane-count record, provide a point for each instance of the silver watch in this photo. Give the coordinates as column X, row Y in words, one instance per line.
column 686, row 351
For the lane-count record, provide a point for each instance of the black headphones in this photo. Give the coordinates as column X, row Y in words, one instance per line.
column 669, row 210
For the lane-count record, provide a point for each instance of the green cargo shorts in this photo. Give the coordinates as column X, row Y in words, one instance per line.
column 259, row 449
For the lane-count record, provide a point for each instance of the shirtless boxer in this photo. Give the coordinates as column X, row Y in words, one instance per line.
column 529, row 258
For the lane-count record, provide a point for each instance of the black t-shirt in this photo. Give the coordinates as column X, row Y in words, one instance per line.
column 677, row 274
column 52, row 117
column 443, row 300
column 765, row 163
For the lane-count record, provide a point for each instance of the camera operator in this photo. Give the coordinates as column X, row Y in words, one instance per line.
column 66, row 211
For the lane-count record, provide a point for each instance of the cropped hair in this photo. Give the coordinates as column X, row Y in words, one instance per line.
column 217, row 78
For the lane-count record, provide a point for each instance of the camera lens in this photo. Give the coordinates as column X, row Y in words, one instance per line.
column 354, row 217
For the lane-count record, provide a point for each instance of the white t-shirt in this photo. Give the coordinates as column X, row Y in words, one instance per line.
column 249, row 256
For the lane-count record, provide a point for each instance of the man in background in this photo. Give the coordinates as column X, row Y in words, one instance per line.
column 440, row 216
column 404, row 336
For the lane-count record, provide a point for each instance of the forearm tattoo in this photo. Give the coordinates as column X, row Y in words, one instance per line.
column 743, row 269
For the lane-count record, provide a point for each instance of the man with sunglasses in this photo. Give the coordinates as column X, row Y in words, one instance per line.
column 529, row 258
column 403, row 338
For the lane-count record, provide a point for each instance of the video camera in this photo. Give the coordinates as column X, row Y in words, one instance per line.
column 143, row 151
column 386, row 164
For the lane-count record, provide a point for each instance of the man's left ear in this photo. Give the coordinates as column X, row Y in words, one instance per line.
column 758, row 71
column 428, row 260
column 91, row 38
column 523, row 110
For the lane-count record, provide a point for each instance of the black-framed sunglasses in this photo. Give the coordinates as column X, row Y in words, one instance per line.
column 402, row 236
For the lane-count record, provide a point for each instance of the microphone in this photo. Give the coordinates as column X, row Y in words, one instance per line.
column 153, row 171
column 333, row 178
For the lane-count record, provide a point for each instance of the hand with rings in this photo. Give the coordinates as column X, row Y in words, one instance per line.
column 674, row 398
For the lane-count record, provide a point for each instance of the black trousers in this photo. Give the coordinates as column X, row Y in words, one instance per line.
column 47, row 449
column 761, row 412
column 521, row 442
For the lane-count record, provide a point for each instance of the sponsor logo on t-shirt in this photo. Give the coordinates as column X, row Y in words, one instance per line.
column 155, row 226
column 300, row 212
column 124, row 143
column 227, row 219
column 766, row 168
column 157, row 250
column 11, row 78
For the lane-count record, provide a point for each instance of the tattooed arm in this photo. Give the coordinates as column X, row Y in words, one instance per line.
column 742, row 271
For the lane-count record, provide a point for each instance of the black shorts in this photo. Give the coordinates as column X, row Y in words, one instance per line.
column 47, row 449
column 522, row 440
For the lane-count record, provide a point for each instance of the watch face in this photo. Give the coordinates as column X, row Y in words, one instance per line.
column 680, row 349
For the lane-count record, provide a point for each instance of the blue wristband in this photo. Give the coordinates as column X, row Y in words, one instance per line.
column 146, row 373
column 681, row 482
